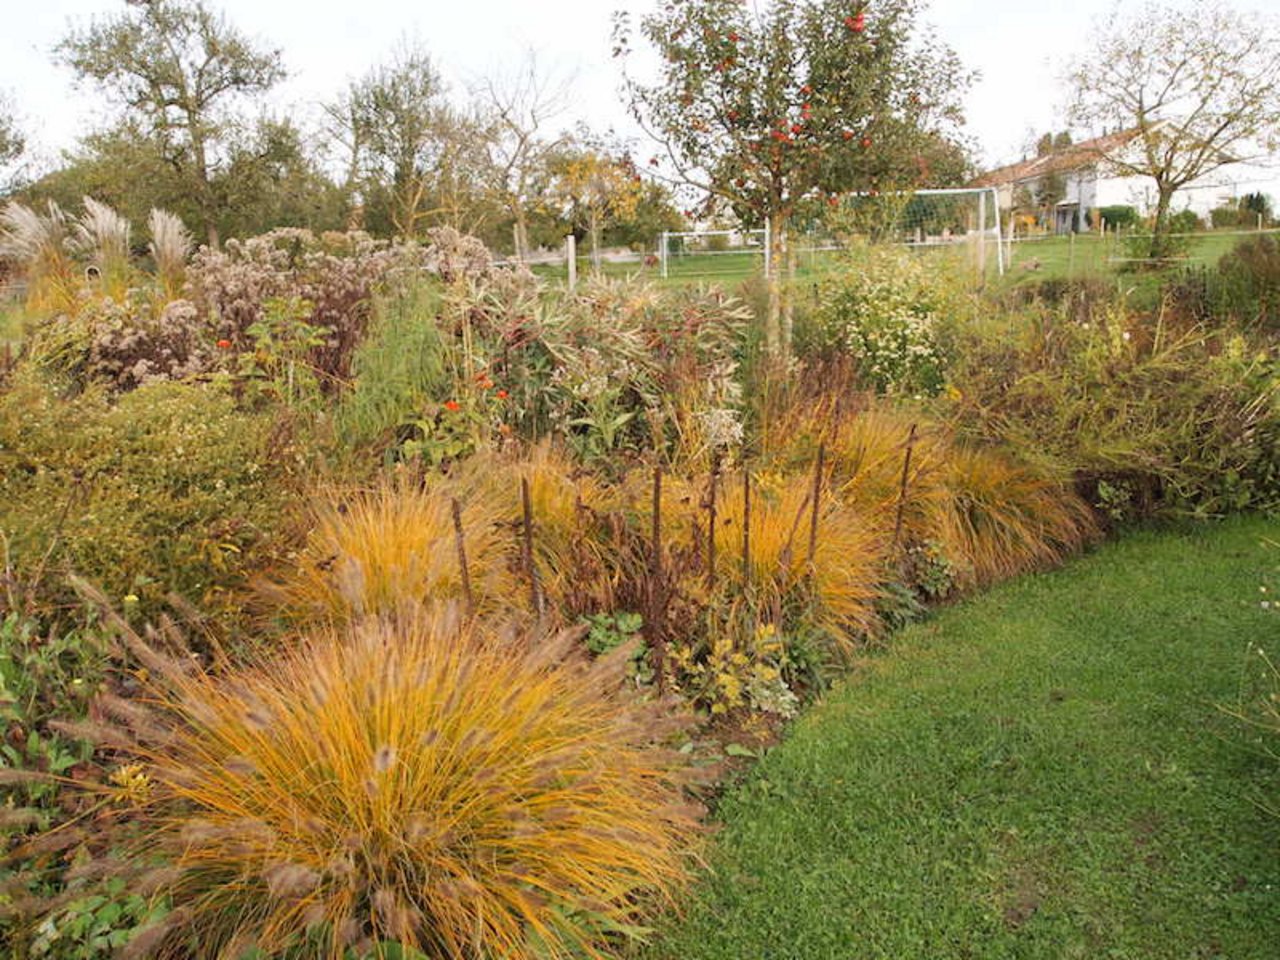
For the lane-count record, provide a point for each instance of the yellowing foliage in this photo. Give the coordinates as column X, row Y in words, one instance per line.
column 392, row 548
column 462, row 793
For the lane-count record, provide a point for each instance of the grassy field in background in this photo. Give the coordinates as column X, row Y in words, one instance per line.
column 1040, row 772
column 1032, row 259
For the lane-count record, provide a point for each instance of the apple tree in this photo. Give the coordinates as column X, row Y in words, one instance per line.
column 772, row 108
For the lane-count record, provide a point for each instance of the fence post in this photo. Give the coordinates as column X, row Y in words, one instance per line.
column 665, row 243
column 571, row 258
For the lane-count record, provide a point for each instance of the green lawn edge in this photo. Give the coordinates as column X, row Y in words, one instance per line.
column 1041, row 771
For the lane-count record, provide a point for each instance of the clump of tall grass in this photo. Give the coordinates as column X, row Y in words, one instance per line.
column 991, row 515
column 391, row 548
column 37, row 242
column 432, row 784
column 580, row 549
column 835, row 579
column 100, row 237
column 998, row 517
column 171, row 244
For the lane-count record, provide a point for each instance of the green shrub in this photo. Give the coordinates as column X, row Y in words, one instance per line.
column 1119, row 216
column 1247, row 285
column 1147, row 419
column 884, row 311
column 171, row 488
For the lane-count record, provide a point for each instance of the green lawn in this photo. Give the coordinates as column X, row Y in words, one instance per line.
column 1087, row 255
column 1040, row 772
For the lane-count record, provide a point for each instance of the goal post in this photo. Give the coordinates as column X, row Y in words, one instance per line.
column 930, row 218
column 683, row 246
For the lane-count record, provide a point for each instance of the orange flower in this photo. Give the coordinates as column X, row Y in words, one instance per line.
column 501, row 394
column 224, row 344
column 451, row 406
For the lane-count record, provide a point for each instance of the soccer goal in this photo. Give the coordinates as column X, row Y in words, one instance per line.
column 708, row 253
column 965, row 220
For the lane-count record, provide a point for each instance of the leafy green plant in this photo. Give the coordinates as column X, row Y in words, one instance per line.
column 883, row 311
column 282, row 341
column 169, row 488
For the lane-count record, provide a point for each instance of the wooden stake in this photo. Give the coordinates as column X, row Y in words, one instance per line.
column 817, row 494
column 530, row 565
column 902, row 491
column 461, row 546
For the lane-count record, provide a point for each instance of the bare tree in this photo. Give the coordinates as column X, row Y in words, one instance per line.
column 518, row 109
column 1199, row 88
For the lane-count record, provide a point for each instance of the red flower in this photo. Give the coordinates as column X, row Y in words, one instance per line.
column 224, row 344
column 733, row 37
column 451, row 406
column 806, row 89
column 501, row 394
column 866, row 142
column 796, row 128
column 847, row 134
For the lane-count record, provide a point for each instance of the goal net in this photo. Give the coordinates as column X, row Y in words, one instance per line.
column 712, row 253
column 966, row 222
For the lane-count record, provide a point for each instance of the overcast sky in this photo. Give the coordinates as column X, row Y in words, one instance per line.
column 1019, row 47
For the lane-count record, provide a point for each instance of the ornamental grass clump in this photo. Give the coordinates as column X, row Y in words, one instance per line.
column 425, row 782
column 394, row 547
column 997, row 517
column 835, row 579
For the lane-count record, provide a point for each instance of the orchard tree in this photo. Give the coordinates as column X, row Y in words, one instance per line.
column 177, row 68
column 1200, row 87
column 415, row 159
column 12, row 143
column 597, row 190
column 769, row 107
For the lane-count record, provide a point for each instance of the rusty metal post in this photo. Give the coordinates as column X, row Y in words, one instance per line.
column 460, row 545
column 902, row 491
column 530, row 564
column 817, row 495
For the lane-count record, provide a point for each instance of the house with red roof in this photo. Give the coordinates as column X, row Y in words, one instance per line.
column 1085, row 178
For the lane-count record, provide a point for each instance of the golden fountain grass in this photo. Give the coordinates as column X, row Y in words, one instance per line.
column 577, row 561
column 425, row 783
column 848, row 569
column 991, row 515
column 394, row 547
column 998, row 517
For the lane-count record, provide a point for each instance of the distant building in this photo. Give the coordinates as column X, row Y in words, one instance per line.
column 1086, row 180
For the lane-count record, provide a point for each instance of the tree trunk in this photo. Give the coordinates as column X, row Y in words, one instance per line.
column 1161, row 244
column 774, row 342
column 520, row 234
column 595, row 240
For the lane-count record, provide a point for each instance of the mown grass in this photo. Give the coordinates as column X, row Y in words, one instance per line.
column 1042, row 772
